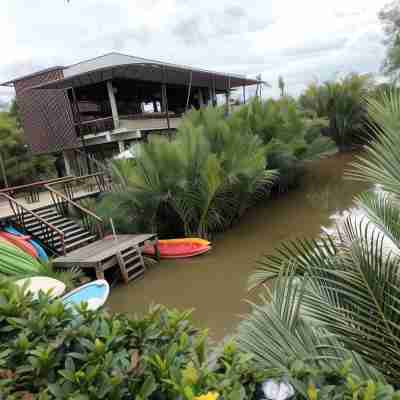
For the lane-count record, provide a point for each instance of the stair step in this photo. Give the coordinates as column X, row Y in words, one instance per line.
column 73, row 238
column 29, row 217
column 37, row 226
column 72, row 245
column 67, row 224
column 136, row 275
column 45, row 211
column 77, row 229
column 131, row 259
column 129, row 251
column 134, row 267
column 51, row 221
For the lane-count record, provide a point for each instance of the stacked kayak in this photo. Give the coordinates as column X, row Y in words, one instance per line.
column 23, row 242
column 14, row 261
column 40, row 253
column 179, row 248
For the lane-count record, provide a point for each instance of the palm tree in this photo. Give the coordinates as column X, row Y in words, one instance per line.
column 348, row 285
column 342, row 102
column 198, row 183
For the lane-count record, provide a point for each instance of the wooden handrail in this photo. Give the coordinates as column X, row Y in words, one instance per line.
column 36, row 216
column 69, row 201
column 77, row 178
column 38, row 183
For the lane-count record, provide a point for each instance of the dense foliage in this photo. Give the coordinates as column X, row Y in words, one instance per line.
column 50, row 352
column 342, row 103
column 21, row 167
column 347, row 285
column 291, row 138
column 390, row 17
column 213, row 170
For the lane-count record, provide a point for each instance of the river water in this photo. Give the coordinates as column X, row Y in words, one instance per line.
column 215, row 284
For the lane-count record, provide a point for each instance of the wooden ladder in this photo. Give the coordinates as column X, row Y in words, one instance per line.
column 131, row 263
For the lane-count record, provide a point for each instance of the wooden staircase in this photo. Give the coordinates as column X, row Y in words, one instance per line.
column 131, row 263
column 74, row 235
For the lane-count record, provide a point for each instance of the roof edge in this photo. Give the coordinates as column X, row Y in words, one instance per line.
column 31, row 75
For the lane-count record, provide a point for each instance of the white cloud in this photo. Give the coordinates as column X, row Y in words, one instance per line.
column 299, row 40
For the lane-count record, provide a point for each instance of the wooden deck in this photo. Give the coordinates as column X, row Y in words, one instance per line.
column 104, row 253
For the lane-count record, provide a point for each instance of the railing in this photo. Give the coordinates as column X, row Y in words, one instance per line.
column 31, row 191
column 82, row 185
column 69, row 208
column 94, row 126
column 49, row 232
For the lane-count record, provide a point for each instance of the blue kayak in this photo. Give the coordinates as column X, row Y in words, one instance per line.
column 94, row 293
column 39, row 249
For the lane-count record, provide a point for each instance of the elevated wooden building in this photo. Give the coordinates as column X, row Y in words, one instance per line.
column 105, row 103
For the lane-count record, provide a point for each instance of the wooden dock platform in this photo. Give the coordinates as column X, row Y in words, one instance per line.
column 123, row 252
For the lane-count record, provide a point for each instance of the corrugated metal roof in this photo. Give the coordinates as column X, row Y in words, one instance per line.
column 116, row 65
column 33, row 74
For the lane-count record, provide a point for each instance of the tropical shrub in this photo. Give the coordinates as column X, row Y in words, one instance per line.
column 213, row 170
column 196, row 184
column 21, row 167
column 291, row 138
column 347, row 284
column 50, row 352
column 342, row 102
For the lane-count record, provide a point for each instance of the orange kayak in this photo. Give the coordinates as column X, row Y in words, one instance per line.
column 21, row 242
column 179, row 248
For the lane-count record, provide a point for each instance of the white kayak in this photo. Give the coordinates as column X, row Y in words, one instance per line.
column 36, row 284
column 94, row 293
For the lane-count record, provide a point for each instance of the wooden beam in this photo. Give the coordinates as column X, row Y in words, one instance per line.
column 79, row 124
column 165, row 99
column 113, row 103
column 189, row 90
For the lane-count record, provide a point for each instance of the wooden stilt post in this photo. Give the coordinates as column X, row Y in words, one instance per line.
column 113, row 104
column 3, row 170
column 214, row 99
column 228, row 97
column 244, row 94
column 165, row 100
column 189, row 90
column 78, row 122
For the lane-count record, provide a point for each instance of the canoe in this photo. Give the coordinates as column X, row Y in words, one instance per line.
column 8, row 243
column 179, row 248
column 39, row 249
column 94, row 293
column 53, row 287
column 21, row 242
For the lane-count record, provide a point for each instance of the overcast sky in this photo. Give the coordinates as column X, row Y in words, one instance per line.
column 300, row 40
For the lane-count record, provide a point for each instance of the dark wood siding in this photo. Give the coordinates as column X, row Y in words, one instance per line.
column 46, row 114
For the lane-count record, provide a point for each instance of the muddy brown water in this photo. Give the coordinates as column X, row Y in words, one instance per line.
column 214, row 285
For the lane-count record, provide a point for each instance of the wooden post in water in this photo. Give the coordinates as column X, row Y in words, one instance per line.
column 3, row 170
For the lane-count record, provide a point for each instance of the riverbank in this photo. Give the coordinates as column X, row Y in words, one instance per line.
column 215, row 284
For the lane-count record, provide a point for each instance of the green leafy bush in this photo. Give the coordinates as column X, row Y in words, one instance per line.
column 21, row 167
column 50, row 352
column 196, row 184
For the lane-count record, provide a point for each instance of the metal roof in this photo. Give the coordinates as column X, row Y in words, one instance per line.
column 117, row 65
column 42, row 71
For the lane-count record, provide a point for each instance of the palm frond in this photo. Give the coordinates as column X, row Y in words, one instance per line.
column 278, row 336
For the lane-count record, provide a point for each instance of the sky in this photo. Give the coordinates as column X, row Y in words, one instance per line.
column 301, row 41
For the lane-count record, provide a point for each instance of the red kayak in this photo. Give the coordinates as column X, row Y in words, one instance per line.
column 179, row 248
column 21, row 242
